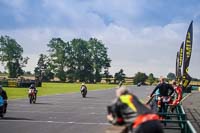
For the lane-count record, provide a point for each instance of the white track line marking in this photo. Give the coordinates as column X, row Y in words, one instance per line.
column 56, row 122
column 55, row 104
column 47, row 112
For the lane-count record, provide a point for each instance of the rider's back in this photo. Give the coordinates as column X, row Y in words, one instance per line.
column 83, row 87
column 164, row 89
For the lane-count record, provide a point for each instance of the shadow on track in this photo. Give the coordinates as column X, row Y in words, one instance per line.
column 44, row 103
column 89, row 97
column 15, row 118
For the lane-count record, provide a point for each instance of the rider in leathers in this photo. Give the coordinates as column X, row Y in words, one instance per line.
column 129, row 111
column 165, row 90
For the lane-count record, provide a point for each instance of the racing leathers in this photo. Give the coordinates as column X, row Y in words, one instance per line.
column 129, row 111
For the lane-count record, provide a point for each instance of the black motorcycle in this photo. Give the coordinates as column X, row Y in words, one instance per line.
column 83, row 91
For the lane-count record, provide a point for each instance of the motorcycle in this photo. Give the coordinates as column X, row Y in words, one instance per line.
column 162, row 103
column 3, row 105
column 83, row 92
column 32, row 96
column 159, row 103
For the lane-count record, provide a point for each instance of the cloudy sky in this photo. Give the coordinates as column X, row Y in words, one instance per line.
column 141, row 35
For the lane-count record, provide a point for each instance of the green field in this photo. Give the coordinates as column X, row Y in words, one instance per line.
column 54, row 88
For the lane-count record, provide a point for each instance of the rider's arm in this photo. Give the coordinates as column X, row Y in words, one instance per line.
column 154, row 90
column 81, row 87
column 36, row 91
column 115, row 120
column 114, row 115
column 179, row 98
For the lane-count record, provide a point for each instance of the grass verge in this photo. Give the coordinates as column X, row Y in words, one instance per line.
column 54, row 88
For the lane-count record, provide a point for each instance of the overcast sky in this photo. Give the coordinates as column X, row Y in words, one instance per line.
column 141, row 35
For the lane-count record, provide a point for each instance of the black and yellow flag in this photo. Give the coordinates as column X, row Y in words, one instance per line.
column 180, row 62
column 177, row 65
column 187, row 55
column 181, row 56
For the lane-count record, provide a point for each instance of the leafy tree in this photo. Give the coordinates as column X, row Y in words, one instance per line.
column 11, row 54
column 151, row 78
column 139, row 77
column 171, row 76
column 119, row 76
column 58, row 50
column 43, row 70
column 86, row 60
column 80, row 61
column 99, row 57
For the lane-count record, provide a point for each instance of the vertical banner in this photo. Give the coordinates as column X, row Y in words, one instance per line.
column 180, row 62
column 177, row 65
column 187, row 55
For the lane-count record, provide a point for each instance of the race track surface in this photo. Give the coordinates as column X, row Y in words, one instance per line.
column 64, row 113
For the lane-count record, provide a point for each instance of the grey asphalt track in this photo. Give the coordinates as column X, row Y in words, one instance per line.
column 64, row 113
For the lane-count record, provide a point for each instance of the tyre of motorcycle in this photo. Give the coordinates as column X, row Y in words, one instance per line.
column 83, row 94
column 30, row 99
column 1, row 112
column 34, row 99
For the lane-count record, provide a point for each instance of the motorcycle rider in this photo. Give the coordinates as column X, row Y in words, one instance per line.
column 32, row 87
column 83, row 88
column 3, row 94
column 128, row 111
column 165, row 91
column 177, row 95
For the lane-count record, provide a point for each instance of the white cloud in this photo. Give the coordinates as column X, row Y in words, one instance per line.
column 131, row 47
column 149, row 49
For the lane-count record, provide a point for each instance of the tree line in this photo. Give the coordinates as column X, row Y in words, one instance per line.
column 77, row 60
column 71, row 61
column 11, row 54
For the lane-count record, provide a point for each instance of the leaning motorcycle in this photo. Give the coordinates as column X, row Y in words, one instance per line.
column 32, row 96
column 83, row 92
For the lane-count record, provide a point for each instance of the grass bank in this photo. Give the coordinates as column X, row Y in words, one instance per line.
column 54, row 88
